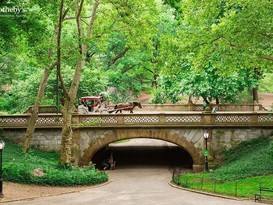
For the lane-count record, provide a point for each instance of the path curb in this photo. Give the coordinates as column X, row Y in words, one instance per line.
column 207, row 193
column 65, row 192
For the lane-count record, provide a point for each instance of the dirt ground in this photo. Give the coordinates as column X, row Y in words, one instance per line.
column 14, row 191
column 266, row 99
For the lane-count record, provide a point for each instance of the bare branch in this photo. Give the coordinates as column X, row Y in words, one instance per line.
column 92, row 19
column 64, row 14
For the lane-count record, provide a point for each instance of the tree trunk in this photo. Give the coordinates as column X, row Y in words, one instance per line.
column 35, row 109
column 255, row 95
column 47, row 71
column 67, row 132
column 70, row 97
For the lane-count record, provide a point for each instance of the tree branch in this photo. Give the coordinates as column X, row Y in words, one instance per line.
column 92, row 19
column 127, row 69
column 120, row 55
column 60, row 24
column 270, row 58
column 79, row 24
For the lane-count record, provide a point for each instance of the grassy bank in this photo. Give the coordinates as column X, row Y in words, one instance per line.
column 18, row 167
column 246, row 167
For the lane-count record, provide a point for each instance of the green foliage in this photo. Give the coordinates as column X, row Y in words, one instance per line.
column 266, row 85
column 230, row 35
column 249, row 164
column 271, row 148
column 250, row 158
column 238, row 188
column 208, row 84
column 187, row 47
column 17, row 167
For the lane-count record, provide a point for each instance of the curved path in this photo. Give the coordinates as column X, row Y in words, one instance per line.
column 135, row 185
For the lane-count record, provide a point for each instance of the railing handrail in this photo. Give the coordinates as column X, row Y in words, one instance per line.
column 167, row 119
column 174, row 107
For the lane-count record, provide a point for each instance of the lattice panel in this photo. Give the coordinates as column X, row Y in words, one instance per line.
column 13, row 121
column 232, row 118
column 48, row 109
column 179, row 118
column 198, row 108
column 265, row 118
column 88, row 119
column 44, row 120
column 106, row 120
column 141, row 119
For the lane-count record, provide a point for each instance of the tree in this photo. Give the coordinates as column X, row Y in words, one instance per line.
column 43, row 83
column 71, row 94
column 207, row 83
column 229, row 34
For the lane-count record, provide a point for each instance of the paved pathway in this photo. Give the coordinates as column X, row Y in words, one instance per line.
column 141, row 184
column 135, row 186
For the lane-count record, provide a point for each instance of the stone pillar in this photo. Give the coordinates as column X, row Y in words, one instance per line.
column 162, row 118
column 207, row 119
column 120, row 119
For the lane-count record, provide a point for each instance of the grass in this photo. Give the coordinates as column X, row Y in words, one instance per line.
column 246, row 167
column 18, row 167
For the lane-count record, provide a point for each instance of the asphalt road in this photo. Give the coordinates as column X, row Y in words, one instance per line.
column 138, row 183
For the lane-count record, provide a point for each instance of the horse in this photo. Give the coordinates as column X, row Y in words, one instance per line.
column 126, row 106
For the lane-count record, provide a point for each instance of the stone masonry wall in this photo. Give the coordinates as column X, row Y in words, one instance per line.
column 220, row 138
column 224, row 139
column 44, row 139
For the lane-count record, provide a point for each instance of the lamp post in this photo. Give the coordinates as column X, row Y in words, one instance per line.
column 2, row 145
column 206, row 136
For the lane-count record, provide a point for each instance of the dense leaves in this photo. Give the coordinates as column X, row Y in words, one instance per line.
column 172, row 48
column 18, row 167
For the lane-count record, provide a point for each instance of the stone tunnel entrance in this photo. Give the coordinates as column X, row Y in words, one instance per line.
column 140, row 152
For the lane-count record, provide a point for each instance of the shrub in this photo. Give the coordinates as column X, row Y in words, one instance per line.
column 17, row 167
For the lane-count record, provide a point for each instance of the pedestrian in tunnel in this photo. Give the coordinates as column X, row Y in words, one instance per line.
column 109, row 163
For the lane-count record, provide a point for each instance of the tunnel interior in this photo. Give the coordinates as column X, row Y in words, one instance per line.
column 141, row 152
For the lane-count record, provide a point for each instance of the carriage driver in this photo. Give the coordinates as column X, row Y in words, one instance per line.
column 102, row 99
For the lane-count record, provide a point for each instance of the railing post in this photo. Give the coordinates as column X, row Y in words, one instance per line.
column 207, row 119
column 254, row 118
column 161, row 118
column 76, row 119
column 191, row 107
column 120, row 119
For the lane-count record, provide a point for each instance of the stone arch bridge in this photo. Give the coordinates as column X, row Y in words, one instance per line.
column 184, row 128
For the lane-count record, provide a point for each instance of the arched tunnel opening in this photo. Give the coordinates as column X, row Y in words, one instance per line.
column 140, row 152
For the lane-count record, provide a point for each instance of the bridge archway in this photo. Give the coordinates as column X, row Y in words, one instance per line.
column 144, row 152
column 92, row 141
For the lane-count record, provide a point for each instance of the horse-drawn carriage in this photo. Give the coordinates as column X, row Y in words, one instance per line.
column 93, row 104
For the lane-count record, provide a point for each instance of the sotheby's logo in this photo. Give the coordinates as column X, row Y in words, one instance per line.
column 11, row 10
